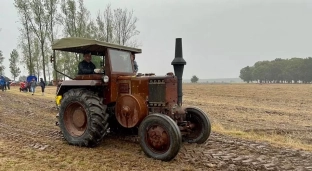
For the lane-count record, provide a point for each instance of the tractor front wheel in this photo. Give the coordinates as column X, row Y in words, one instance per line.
column 202, row 127
column 82, row 118
column 160, row 137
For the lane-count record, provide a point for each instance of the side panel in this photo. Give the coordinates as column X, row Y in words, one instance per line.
column 139, row 85
column 171, row 90
column 113, row 90
column 124, row 87
column 111, row 93
column 128, row 85
column 159, row 91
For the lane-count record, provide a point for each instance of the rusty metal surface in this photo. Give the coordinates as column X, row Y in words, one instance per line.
column 171, row 91
column 140, row 86
column 157, row 138
column 75, row 119
column 130, row 110
column 179, row 113
column 137, row 86
column 111, row 93
column 124, row 88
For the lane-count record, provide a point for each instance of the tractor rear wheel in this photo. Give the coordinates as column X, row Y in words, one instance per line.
column 160, row 137
column 202, row 127
column 82, row 118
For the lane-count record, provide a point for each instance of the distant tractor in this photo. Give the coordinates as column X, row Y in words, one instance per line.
column 118, row 100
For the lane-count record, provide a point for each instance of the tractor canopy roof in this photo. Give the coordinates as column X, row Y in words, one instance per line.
column 82, row 45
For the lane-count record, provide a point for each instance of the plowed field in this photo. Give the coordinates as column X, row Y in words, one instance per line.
column 255, row 127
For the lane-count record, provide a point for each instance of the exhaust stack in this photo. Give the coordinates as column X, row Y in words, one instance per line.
column 178, row 66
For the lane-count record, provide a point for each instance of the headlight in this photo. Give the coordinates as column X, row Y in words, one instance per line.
column 105, row 78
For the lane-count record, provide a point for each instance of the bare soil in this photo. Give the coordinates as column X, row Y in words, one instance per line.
column 29, row 139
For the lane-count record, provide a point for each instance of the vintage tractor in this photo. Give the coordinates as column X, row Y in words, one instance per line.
column 117, row 99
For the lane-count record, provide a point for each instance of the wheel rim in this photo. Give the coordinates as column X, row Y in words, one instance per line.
column 198, row 127
column 157, row 139
column 75, row 119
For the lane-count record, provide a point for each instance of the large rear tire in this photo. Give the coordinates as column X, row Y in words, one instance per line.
column 160, row 137
column 83, row 119
column 201, row 132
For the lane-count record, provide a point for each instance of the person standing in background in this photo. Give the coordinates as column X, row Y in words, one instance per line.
column 33, row 85
column 42, row 85
column 8, row 84
column 2, row 84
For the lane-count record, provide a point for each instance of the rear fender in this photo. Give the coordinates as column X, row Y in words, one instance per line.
column 70, row 84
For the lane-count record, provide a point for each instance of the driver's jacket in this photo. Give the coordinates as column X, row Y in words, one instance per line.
column 85, row 67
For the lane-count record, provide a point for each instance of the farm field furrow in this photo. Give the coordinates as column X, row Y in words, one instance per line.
column 243, row 117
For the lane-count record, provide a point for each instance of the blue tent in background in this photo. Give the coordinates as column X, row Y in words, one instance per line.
column 5, row 78
column 29, row 78
column 2, row 78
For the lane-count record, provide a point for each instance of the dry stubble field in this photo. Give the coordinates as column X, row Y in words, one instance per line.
column 255, row 127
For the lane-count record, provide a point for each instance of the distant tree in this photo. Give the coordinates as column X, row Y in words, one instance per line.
column 261, row 71
column 125, row 26
column 292, row 70
column 246, row 74
column 194, row 79
column 76, row 19
column 22, row 78
column 15, row 70
column 306, row 70
column 2, row 67
column 105, row 24
column 23, row 8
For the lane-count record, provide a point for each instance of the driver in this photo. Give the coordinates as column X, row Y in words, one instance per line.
column 86, row 66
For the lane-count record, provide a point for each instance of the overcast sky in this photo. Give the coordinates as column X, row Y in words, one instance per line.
column 219, row 36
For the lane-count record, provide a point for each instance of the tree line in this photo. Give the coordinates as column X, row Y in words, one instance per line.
column 292, row 70
column 44, row 21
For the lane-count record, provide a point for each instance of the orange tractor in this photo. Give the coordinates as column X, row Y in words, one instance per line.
column 116, row 99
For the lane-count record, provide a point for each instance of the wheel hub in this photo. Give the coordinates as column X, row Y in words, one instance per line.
column 75, row 119
column 158, row 139
column 79, row 118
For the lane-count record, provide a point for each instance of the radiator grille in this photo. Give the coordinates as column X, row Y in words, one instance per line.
column 157, row 91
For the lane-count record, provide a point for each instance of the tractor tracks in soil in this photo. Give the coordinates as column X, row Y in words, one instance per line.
column 220, row 152
column 223, row 152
